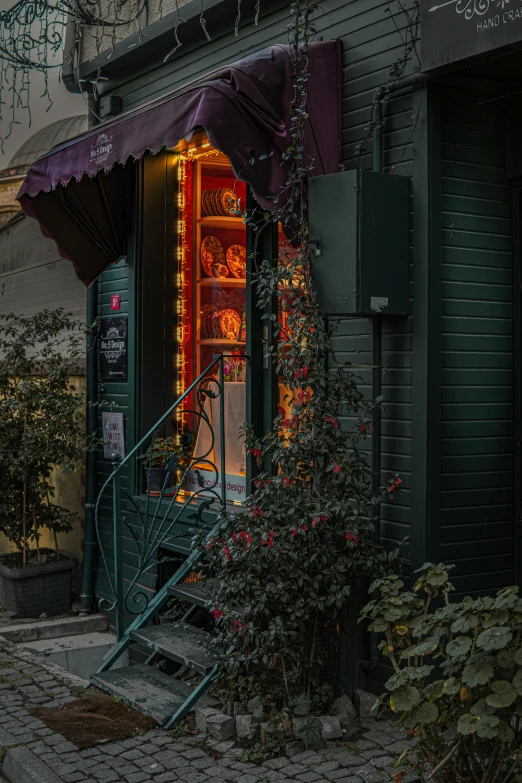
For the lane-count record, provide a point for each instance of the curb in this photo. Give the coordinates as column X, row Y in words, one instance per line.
column 22, row 766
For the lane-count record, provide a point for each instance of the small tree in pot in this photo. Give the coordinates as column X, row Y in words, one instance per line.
column 164, row 461
column 41, row 427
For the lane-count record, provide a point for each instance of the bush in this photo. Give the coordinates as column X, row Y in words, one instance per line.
column 457, row 684
column 41, row 422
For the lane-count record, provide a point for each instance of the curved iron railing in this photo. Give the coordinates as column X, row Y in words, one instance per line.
column 152, row 524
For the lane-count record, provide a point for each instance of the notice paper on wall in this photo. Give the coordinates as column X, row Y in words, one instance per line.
column 113, row 435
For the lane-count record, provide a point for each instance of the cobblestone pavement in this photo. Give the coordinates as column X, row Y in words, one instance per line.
column 157, row 756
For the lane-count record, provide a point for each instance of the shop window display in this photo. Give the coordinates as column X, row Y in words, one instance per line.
column 211, row 306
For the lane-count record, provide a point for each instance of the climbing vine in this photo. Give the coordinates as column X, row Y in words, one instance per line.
column 289, row 562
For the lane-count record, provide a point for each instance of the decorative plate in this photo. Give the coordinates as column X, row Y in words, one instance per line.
column 206, row 314
column 220, row 270
column 236, row 260
column 215, row 202
column 211, row 253
column 215, row 325
column 228, row 202
column 230, row 323
column 204, row 203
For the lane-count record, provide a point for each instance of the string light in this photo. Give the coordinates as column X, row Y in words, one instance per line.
column 179, row 360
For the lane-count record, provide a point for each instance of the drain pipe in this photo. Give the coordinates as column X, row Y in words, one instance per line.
column 86, row 603
column 369, row 665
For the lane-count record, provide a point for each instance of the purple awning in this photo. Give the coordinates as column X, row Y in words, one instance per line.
column 244, row 109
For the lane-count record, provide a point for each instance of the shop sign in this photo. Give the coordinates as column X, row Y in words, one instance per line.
column 113, row 435
column 456, row 30
column 113, row 348
column 235, row 485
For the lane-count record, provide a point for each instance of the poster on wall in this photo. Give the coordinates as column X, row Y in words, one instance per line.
column 113, row 348
column 113, row 435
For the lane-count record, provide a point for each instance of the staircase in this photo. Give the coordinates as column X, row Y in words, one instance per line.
column 180, row 666
column 149, row 690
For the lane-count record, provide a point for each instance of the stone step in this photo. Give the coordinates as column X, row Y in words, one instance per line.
column 195, row 592
column 180, row 642
column 145, row 689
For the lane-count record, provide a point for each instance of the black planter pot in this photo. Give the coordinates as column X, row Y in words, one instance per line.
column 156, row 481
column 37, row 589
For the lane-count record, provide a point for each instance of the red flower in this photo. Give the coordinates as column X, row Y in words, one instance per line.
column 302, row 373
column 237, row 625
column 255, row 452
column 286, row 482
column 243, row 536
column 218, row 613
column 395, row 484
column 332, row 421
column 259, row 484
column 293, row 532
column 322, row 518
column 363, row 427
column 337, row 469
column 270, row 541
column 304, row 527
column 281, row 410
column 314, row 521
column 285, row 423
column 257, row 511
column 352, row 537
column 226, row 550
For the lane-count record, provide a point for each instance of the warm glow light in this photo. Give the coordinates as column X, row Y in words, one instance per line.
column 179, row 358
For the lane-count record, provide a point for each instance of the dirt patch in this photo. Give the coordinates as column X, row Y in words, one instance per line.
column 15, row 560
column 92, row 719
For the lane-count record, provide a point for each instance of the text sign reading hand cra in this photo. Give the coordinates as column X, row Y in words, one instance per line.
column 453, row 31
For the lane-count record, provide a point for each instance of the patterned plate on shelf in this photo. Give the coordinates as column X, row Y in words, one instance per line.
column 212, row 253
column 228, row 202
column 220, row 270
column 230, row 323
column 236, row 260
column 206, row 315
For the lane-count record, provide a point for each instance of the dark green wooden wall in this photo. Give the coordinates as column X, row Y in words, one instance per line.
column 476, row 479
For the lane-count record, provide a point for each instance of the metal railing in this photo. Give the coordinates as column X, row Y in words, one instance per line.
column 154, row 517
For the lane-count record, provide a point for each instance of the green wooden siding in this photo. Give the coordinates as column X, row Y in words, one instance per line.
column 476, row 484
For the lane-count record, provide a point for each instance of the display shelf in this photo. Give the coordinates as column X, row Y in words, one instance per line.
column 233, row 282
column 218, row 341
column 217, row 221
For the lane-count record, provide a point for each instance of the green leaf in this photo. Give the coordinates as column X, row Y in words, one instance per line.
column 505, row 732
column 405, row 698
column 503, row 694
column 467, row 724
column 427, row 713
column 459, row 646
column 518, row 656
column 517, row 682
column 481, row 708
column 494, row 638
column 310, row 731
column 451, row 687
column 496, row 618
column 255, row 707
column 487, row 726
column 302, row 705
column 477, row 672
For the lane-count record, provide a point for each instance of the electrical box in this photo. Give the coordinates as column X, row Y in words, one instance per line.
column 360, row 242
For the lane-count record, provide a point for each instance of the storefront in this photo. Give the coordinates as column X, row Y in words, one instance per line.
column 183, row 150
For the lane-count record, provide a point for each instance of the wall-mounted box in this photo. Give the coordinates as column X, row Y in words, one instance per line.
column 360, row 235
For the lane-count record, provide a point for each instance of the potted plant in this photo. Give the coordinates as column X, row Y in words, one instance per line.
column 41, row 428
column 164, row 461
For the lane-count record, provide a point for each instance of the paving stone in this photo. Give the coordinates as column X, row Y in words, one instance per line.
column 221, row 726
column 128, row 769
column 278, row 763
column 165, row 777
column 195, row 777
column 194, row 753
column 309, row 777
column 114, row 749
column 328, row 766
column 132, row 755
column 136, row 777
column 248, row 779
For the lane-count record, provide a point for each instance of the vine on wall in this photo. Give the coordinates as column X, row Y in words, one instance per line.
column 289, row 563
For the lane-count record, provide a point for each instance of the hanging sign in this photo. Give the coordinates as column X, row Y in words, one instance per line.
column 113, row 434
column 457, row 30
column 113, row 348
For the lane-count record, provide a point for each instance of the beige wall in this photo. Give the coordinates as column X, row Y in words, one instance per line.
column 69, row 493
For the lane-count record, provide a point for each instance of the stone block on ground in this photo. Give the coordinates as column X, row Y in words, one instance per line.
column 293, row 748
column 221, row 727
column 367, row 704
column 22, row 766
column 344, row 706
column 202, row 714
column 246, row 726
column 330, row 727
